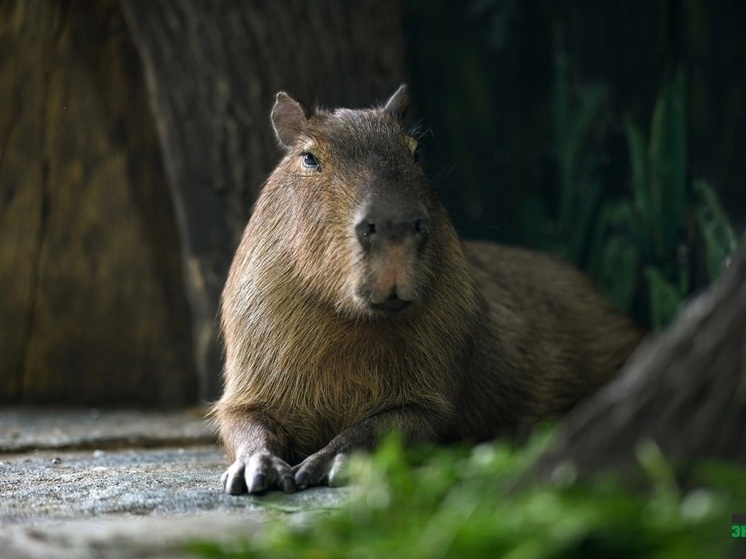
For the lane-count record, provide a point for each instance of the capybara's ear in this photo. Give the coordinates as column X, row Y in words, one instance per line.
column 398, row 104
column 288, row 118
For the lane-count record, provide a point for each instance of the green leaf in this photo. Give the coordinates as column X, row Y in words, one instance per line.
column 644, row 224
column 619, row 271
column 587, row 207
column 575, row 114
column 614, row 255
column 664, row 298
column 668, row 168
column 713, row 225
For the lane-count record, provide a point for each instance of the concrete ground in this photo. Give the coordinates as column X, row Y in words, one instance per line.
column 124, row 484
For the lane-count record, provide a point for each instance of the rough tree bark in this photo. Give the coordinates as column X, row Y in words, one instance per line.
column 92, row 308
column 134, row 137
column 213, row 69
column 685, row 391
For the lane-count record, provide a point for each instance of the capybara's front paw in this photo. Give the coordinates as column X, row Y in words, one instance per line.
column 258, row 472
column 322, row 468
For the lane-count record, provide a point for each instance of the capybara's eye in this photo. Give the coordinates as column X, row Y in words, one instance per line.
column 416, row 154
column 310, row 162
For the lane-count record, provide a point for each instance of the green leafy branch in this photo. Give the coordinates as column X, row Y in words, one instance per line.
column 667, row 237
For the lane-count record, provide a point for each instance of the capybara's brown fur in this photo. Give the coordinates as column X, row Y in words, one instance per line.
column 352, row 309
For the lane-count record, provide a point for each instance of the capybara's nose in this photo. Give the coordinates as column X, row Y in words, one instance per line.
column 376, row 227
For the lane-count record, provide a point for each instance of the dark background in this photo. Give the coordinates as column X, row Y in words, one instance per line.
column 134, row 138
column 485, row 79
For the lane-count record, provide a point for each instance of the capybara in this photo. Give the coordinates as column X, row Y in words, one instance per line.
column 352, row 309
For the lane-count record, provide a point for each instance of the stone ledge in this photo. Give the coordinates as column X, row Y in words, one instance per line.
column 28, row 429
column 125, row 500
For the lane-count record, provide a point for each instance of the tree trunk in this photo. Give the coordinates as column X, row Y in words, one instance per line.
column 685, row 391
column 92, row 310
column 134, row 137
column 213, row 68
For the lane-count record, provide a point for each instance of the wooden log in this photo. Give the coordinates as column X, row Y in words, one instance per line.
column 685, row 391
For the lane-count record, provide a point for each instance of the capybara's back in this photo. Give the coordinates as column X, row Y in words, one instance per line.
column 353, row 309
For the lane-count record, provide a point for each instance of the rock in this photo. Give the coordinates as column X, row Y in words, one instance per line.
column 126, row 501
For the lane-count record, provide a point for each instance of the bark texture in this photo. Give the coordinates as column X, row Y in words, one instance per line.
column 92, row 305
column 685, row 391
column 213, row 69
column 134, row 137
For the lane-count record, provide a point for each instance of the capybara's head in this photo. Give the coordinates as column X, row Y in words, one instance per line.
column 350, row 211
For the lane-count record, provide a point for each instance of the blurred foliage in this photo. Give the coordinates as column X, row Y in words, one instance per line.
column 464, row 503
column 601, row 133
column 661, row 241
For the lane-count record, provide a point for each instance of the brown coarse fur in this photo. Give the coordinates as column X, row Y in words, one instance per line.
column 332, row 341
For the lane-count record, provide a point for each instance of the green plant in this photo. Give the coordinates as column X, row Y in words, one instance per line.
column 666, row 234
column 662, row 241
column 576, row 112
column 464, row 503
